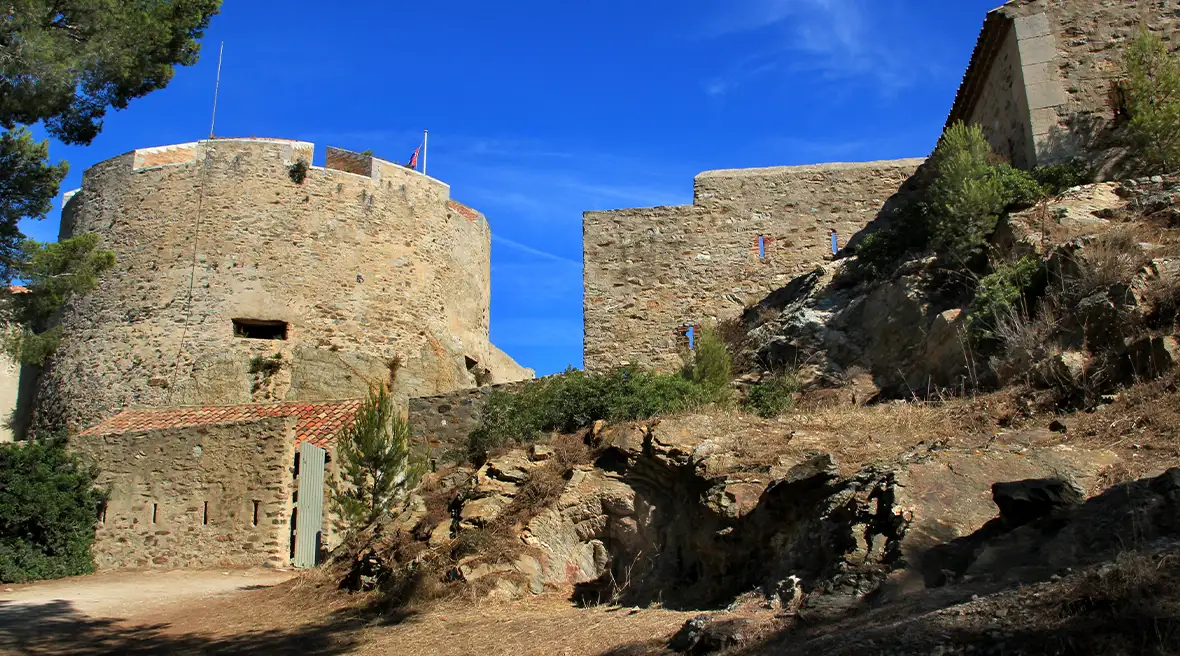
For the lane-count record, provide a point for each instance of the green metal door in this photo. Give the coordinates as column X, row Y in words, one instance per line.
column 309, row 505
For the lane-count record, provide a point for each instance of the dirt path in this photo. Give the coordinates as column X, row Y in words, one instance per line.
column 87, row 612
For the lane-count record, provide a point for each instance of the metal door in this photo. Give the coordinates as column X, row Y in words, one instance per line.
column 309, row 505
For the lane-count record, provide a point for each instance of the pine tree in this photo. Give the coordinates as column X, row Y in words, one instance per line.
column 378, row 465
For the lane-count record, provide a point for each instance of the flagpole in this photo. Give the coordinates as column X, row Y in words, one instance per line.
column 425, row 137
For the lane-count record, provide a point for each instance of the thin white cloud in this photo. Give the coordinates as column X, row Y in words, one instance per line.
column 536, row 252
column 832, row 39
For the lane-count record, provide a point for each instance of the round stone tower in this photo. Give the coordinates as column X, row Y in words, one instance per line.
column 246, row 275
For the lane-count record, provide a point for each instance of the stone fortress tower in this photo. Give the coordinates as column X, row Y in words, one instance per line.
column 246, row 275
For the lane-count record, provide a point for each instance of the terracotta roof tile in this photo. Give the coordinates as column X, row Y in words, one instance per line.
column 317, row 423
column 463, row 210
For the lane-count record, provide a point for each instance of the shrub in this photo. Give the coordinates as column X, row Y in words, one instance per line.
column 955, row 208
column 772, row 396
column 1152, row 94
column 378, row 465
column 711, row 366
column 266, row 366
column 1111, row 258
column 1059, row 177
column 298, row 171
column 1010, row 288
column 577, row 399
column 48, row 510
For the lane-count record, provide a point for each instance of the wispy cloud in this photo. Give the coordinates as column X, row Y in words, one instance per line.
column 536, row 252
column 833, row 40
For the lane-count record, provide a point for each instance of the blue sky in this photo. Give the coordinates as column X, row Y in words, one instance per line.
column 540, row 110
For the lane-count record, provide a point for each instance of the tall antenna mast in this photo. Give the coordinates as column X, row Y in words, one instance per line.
column 216, row 90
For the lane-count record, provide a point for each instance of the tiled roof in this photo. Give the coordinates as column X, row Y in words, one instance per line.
column 18, row 289
column 990, row 39
column 318, row 423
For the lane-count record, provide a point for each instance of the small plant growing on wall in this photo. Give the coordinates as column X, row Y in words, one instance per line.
column 379, row 466
column 265, row 366
column 298, row 171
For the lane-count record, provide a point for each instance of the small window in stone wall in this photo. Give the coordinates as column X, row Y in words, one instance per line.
column 155, row 510
column 256, row 504
column 205, row 516
column 260, row 329
column 102, row 512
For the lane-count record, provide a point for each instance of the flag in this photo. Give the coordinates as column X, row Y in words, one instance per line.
column 414, row 159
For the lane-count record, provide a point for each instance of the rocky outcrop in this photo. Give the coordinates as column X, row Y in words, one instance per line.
column 667, row 513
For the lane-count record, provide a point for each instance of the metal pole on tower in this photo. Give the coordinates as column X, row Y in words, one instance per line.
column 216, row 89
column 425, row 137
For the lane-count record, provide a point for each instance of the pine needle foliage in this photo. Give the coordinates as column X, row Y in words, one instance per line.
column 1152, row 94
column 378, row 465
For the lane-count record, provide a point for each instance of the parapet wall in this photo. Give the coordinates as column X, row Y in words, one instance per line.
column 651, row 272
column 371, row 275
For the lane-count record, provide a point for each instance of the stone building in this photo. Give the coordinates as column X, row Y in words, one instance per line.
column 1041, row 84
column 213, row 486
column 1042, row 78
column 244, row 276
column 652, row 273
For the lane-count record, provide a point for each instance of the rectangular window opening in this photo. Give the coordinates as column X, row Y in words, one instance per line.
column 102, row 512
column 295, row 472
column 155, row 509
column 691, row 337
column 762, row 247
column 256, row 504
column 260, row 329
column 205, row 519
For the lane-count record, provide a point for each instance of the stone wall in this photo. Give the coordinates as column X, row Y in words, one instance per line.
column 185, row 497
column 650, row 272
column 443, row 421
column 371, row 273
column 1043, row 71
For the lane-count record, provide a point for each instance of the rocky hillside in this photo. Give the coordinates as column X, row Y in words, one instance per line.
column 967, row 466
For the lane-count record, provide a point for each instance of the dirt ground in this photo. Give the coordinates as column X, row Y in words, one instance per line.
column 274, row 612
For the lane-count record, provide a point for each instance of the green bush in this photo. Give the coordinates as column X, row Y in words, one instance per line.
column 711, row 366
column 1009, row 287
column 772, row 396
column 48, row 510
column 1059, row 177
column 577, row 399
column 1152, row 94
column 955, row 208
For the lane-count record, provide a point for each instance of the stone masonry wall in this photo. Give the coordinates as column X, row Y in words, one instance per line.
column 372, row 273
column 443, row 421
column 651, row 271
column 201, row 484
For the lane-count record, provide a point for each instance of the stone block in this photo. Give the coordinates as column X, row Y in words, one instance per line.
column 1037, row 50
column 1036, row 73
column 1044, row 120
column 1045, row 95
column 1030, row 27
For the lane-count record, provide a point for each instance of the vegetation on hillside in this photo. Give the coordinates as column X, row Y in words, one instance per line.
column 1151, row 94
column 378, row 465
column 48, row 510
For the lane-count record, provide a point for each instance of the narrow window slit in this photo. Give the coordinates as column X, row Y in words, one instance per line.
column 256, row 503
column 762, row 247
column 205, row 519
column 155, row 508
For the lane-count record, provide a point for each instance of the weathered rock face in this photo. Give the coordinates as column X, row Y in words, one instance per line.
column 665, row 515
column 912, row 338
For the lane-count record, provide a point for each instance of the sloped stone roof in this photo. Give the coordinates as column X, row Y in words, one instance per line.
column 317, row 423
column 991, row 37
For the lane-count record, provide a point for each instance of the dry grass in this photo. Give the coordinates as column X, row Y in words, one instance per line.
column 1112, row 258
column 1143, row 422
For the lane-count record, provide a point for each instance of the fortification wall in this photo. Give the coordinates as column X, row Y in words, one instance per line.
column 443, row 421
column 185, row 497
column 650, row 272
column 370, row 273
column 1043, row 71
